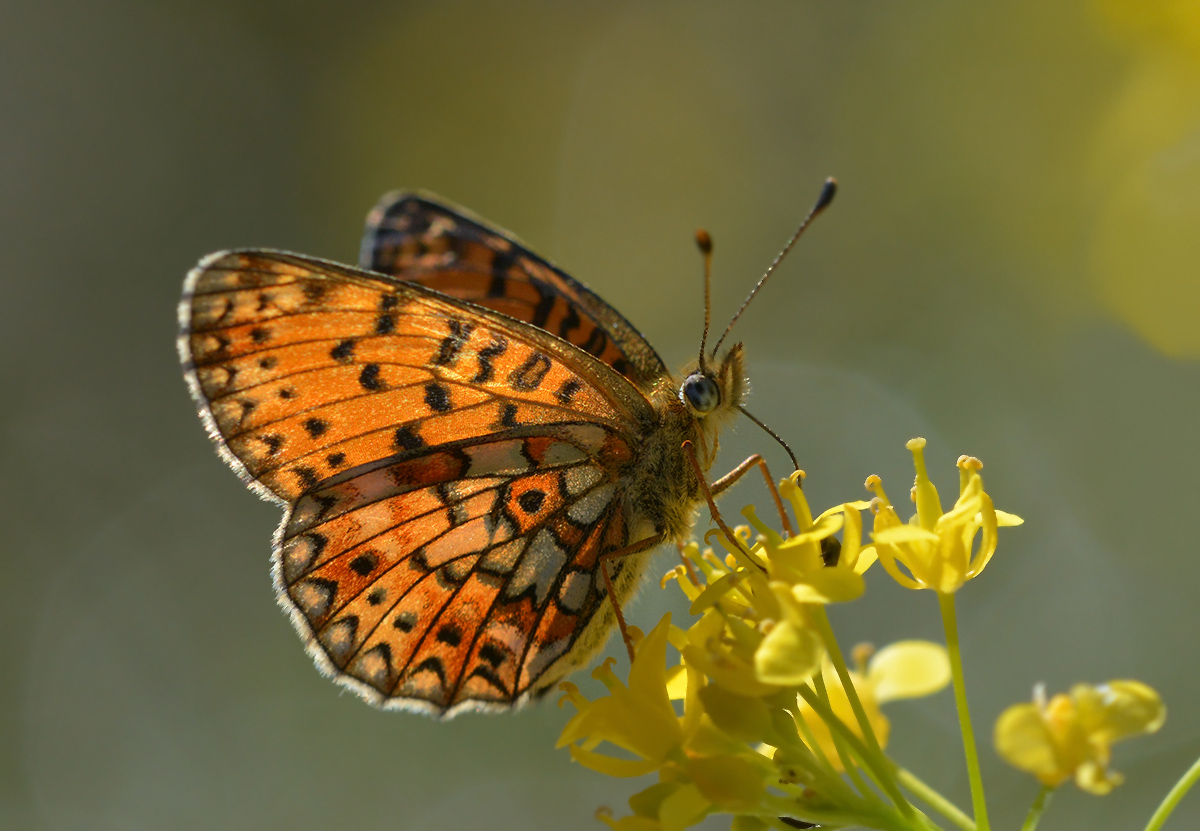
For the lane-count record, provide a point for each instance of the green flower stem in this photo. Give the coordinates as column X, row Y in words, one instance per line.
column 950, row 624
column 835, row 654
column 1172, row 799
column 934, row 799
column 809, row 739
column 1037, row 808
column 836, row 780
column 829, row 779
column 849, row 762
column 877, row 767
column 883, row 817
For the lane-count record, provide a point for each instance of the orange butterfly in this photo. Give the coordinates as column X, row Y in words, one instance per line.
column 471, row 454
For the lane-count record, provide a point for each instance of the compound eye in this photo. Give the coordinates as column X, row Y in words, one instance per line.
column 700, row 392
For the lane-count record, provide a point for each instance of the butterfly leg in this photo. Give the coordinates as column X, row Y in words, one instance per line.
column 636, row 548
column 690, row 452
column 738, row 472
column 687, row 564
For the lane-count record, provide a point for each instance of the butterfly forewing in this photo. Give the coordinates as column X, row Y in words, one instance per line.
column 453, row 475
column 307, row 369
column 421, row 240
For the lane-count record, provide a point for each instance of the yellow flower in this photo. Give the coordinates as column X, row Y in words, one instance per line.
column 813, row 563
column 938, row 550
column 701, row 768
column 784, row 575
column 1071, row 735
column 638, row 718
column 905, row 669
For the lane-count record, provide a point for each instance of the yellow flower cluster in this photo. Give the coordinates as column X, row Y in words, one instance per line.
column 759, row 686
column 762, row 719
column 1071, row 735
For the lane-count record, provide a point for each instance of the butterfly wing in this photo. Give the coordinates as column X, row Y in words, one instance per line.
column 419, row 239
column 406, row 430
column 303, row 369
column 460, row 578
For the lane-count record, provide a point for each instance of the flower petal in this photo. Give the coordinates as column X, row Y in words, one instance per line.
column 1024, row 741
column 683, row 808
column 610, row 765
column 788, row 655
column 908, row 669
column 1005, row 519
column 904, row 533
column 728, row 782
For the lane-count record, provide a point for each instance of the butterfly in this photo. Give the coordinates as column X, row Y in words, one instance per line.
column 472, row 450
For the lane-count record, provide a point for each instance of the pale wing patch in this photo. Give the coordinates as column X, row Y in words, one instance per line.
column 587, row 508
column 539, row 567
column 574, row 591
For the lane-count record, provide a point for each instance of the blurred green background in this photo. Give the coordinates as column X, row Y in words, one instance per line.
column 1010, row 270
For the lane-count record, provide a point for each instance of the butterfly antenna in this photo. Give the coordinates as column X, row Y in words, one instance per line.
column 822, row 203
column 772, row 434
column 704, row 243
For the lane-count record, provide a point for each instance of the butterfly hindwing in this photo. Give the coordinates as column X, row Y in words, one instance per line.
column 304, row 369
column 419, row 239
column 455, row 577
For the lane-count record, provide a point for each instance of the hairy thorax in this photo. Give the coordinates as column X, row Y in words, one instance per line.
column 663, row 487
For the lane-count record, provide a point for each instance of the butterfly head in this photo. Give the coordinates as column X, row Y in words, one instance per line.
column 709, row 391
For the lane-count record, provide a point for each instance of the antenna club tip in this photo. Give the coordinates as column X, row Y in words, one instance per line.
column 703, row 241
column 827, row 194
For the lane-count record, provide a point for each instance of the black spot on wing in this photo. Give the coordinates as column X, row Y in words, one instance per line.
column 531, row 500
column 344, row 351
column 306, row 475
column 491, row 653
column 434, row 665
column 570, row 321
column 314, row 291
column 567, row 391
column 596, row 342
column 495, row 349
column 452, row 344
column 502, row 261
column 407, row 439
column 364, row 564
column 369, row 378
column 437, row 397
column 541, row 312
column 449, row 635
column 528, row 376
